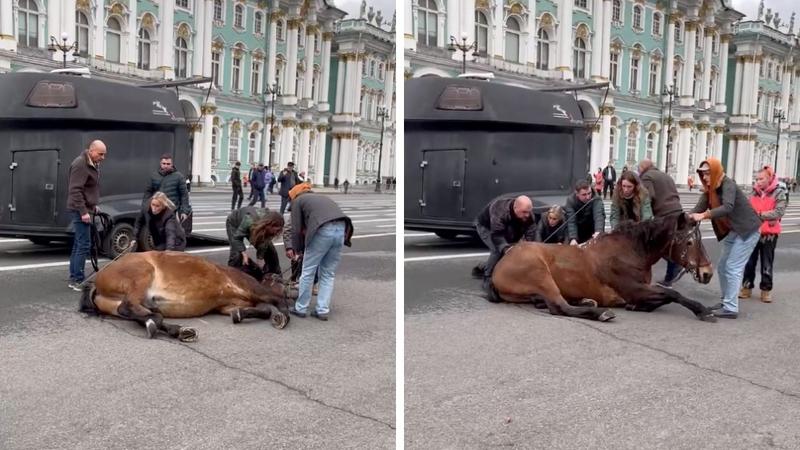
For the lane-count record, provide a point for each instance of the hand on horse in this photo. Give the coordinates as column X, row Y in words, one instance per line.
column 290, row 254
column 573, row 242
column 697, row 217
column 596, row 233
column 85, row 218
column 182, row 217
column 245, row 258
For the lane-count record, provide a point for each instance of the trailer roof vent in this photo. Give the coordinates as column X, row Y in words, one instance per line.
column 52, row 94
column 460, row 98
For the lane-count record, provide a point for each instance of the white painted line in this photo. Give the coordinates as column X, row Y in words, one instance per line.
column 386, row 226
column 3, row 241
column 198, row 251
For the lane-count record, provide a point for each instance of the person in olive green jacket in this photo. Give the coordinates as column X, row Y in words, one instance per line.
column 259, row 226
column 630, row 201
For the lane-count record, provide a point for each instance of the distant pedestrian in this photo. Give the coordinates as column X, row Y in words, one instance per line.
column 253, row 168
column 336, row 183
column 272, row 180
column 609, row 178
column 258, row 182
column 690, row 183
column 346, row 185
column 236, row 185
column 769, row 202
column 287, row 178
column 83, row 197
column 598, row 181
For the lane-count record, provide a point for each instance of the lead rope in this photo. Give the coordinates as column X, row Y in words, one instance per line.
column 567, row 219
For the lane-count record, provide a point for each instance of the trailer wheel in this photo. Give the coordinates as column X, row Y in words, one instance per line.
column 449, row 235
column 118, row 240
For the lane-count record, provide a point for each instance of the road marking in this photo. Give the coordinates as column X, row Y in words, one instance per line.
column 204, row 250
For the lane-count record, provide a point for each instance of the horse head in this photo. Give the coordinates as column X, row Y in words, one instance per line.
column 278, row 289
column 687, row 250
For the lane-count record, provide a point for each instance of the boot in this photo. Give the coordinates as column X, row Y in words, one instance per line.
column 765, row 297
column 746, row 293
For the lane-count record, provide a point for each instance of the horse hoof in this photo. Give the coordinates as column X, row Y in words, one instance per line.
column 187, row 334
column 630, row 307
column 150, row 328
column 280, row 320
column 708, row 317
column 236, row 315
column 588, row 302
column 606, row 316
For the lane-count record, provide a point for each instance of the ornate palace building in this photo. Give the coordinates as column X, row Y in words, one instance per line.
column 249, row 48
column 671, row 65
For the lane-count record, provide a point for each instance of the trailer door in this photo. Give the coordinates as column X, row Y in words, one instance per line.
column 443, row 183
column 34, row 178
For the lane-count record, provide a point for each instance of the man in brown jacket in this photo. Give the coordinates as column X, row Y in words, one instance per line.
column 84, row 195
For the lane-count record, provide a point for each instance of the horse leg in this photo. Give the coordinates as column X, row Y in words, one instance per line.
column 558, row 305
column 263, row 311
column 650, row 298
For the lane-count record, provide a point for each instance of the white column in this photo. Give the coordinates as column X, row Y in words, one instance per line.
column 796, row 105
column 723, row 71
column 8, row 41
column 347, row 158
column 719, row 133
column 333, row 169
column 326, row 71
column 166, row 39
column 661, row 160
column 208, row 28
column 597, row 40
column 388, row 86
column 730, row 163
column 743, row 152
column 319, row 162
column 54, row 28
column 99, row 40
column 709, row 42
column 701, row 147
column 198, row 144
column 531, row 40
column 786, row 88
column 684, row 134
column 287, row 142
column 752, row 88
column 499, row 22
column 606, row 46
column 452, row 22
column 564, row 39
column 272, row 51
column 264, row 144
column 68, row 22
column 304, row 152
column 737, row 87
column 308, row 81
column 669, row 60
column 199, row 51
column 747, row 82
column 347, row 95
column 605, row 136
column 290, row 87
column 780, row 169
column 409, row 30
column 205, row 166
column 687, row 93
column 596, row 154
column 340, row 78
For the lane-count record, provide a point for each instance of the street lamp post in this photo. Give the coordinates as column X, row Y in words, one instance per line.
column 778, row 115
column 672, row 92
column 383, row 112
column 464, row 47
column 56, row 46
column 274, row 90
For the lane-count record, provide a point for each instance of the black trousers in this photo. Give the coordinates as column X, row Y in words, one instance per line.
column 284, row 202
column 608, row 186
column 765, row 249
column 238, row 196
column 258, row 195
column 494, row 252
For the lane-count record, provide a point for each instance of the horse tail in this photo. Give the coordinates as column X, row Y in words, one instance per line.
column 86, row 304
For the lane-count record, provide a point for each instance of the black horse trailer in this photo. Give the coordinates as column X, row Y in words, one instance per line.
column 468, row 142
column 47, row 120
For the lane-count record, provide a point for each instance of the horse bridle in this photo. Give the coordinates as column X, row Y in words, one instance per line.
column 692, row 234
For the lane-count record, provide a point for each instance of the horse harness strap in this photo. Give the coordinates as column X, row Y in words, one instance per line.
column 693, row 234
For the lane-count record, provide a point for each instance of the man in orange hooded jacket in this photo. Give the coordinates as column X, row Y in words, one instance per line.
column 769, row 200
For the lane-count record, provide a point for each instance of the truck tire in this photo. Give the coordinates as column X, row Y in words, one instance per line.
column 118, row 239
column 449, row 235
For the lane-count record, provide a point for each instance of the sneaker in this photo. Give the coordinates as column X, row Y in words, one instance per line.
column 75, row 286
column 716, row 306
column 665, row 284
column 723, row 313
column 320, row 316
column 297, row 313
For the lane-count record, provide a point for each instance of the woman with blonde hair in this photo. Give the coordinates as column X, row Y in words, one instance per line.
column 158, row 217
column 551, row 229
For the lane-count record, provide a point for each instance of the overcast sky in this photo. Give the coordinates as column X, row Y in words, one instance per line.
column 784, row 7
column 354, row 6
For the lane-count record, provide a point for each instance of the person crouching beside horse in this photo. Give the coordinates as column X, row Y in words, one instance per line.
column 158, row 217
column 769, row 200
column 552, row 229
column 586, row 217
column 259, row 226
column 736, row 226
column 630, row 201
column 504, row 222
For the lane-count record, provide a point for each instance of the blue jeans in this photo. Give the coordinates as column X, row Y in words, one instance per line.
column 323, row 252
column 81, row 244
column 736, row 251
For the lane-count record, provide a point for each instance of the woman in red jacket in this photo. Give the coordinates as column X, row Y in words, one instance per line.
column 769, row 202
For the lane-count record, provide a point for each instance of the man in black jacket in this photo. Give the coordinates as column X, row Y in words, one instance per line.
column 172, row 183
column 586, row 217
column 236, row 184
column 287, row 178
column 502, row 223
column 609, row 179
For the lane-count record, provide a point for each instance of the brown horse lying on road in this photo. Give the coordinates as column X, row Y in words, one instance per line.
column 612, row 270
column 146, row 287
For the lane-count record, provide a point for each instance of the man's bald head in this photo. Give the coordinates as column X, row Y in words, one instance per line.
column 97, row 151
column 645, row 165
column 523, row 206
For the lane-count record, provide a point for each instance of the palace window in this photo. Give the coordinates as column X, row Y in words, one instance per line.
column 427, row 23
column 82, row 33
column 218, row 10
column 482, row 32
column 27, row 24
column 143, row 62
column 543, row 50
column 616, row 11
column 637, row 18
column 579, row 58
column 181, row 57
column 113, row 39
column 657, row 23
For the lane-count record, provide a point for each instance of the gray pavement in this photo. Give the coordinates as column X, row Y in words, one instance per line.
column 72, row 381
column 480, row 375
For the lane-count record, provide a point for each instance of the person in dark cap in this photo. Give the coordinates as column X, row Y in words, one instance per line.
column 287, row 178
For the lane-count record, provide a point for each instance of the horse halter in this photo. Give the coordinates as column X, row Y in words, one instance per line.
column 692, row 234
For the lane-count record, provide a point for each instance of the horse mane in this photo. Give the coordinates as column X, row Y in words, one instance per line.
column 645, row 233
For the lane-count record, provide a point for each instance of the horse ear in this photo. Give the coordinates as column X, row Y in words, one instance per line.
column 683, row 221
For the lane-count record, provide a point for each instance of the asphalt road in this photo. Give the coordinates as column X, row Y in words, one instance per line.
column 480, row 375
column 72, row 381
